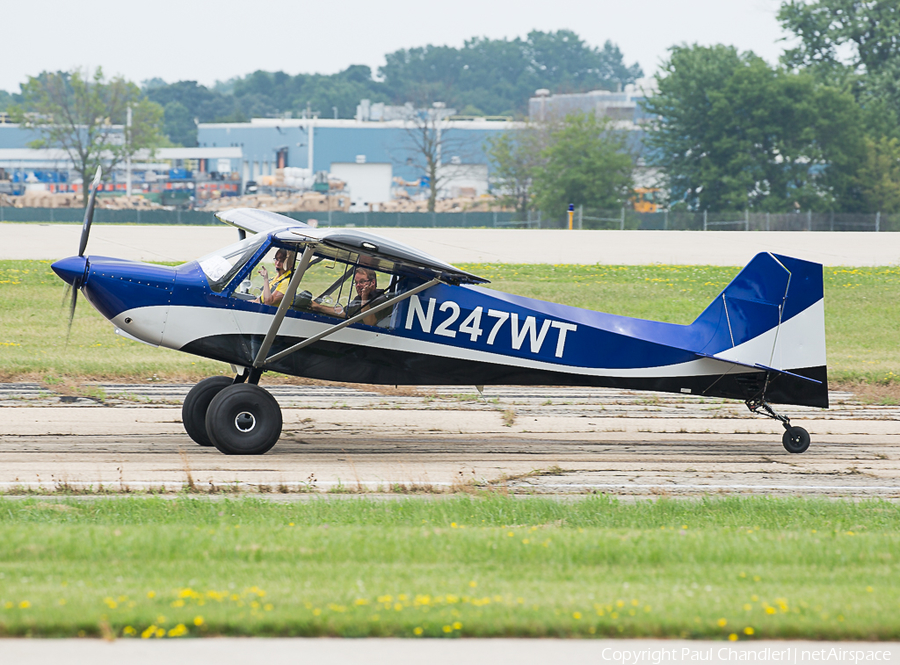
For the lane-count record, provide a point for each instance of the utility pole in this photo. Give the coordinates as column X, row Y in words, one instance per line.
column 312, row 134
column 438, row 106
column 311, row 131
column 128, row 152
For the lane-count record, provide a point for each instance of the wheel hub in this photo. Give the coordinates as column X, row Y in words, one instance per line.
column 245, row 422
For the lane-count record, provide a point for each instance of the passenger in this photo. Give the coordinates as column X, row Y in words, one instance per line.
column 274, row 289
column 367, row 295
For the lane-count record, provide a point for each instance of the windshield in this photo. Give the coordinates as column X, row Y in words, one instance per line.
column 221, row 265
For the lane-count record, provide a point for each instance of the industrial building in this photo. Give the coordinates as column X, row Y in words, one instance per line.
column 623, row 107
column 374, row 154
column 372, row 157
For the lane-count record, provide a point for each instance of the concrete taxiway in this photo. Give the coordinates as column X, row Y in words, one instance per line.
column 527, row 440
column 724, row 248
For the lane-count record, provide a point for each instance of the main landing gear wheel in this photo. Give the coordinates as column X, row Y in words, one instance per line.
column 795, row 440
column 243, row 419
column 193, row 411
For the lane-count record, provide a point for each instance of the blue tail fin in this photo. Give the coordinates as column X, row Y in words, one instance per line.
column 771, row 315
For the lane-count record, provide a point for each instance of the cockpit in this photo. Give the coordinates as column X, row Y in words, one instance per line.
column 338, row 284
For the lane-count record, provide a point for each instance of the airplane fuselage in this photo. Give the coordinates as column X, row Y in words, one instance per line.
column 456, row 335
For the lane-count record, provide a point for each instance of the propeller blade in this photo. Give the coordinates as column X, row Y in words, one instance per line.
column 89, row 213
column 71, row 312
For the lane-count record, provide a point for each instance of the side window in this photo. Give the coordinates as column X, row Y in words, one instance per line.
column 343, row 290
column 370, row 289
column 325, row 287
column 268, row 279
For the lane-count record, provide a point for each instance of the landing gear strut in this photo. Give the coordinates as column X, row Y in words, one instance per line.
column 794, row 439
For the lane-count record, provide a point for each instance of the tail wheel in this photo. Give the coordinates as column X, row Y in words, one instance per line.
column 795, row 440
column 196, row 404
column 244, row 419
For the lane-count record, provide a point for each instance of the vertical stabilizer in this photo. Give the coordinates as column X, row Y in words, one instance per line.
column 771, row 315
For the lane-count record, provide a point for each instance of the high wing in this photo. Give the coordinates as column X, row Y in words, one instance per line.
column 374, row 251
column 254, row 220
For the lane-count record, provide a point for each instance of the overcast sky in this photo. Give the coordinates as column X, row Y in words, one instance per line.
column 209, row 41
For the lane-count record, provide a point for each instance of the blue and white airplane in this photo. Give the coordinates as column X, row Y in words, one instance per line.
column 762, row 340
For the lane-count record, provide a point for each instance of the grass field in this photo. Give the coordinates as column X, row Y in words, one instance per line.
column 861, row 320
column 734, row 569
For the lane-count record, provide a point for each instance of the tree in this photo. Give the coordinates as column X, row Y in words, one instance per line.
column 850, row 43
column 485, row 76
column 585, row 162
column 879, row 176
column 497, row 76
column 179, row 125
column 515, row 156
column 731, row 132
column 78, row 113
column 870, row 27
column 200, row 102
column 267, row 93
column 6, row 100
column 429, row 139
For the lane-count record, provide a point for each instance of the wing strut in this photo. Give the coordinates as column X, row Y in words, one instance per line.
column 335, row 328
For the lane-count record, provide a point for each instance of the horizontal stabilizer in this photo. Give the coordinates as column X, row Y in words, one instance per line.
column 786, row 373
column 762, row 367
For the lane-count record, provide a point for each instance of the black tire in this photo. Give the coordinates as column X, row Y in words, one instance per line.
column 193, row 411
column 795, row 440
column 244, row 419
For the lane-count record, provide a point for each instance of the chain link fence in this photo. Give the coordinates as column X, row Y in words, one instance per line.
column 621, row 219
column 624, row 219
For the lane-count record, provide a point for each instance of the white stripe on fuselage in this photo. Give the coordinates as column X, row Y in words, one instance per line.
column 187, row 324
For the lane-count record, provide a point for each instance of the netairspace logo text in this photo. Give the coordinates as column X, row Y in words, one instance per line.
column 731, row 654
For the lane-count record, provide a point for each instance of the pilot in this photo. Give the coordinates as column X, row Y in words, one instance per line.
column 367, row 295
column 275, row 288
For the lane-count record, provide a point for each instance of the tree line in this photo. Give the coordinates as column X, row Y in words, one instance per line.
column 483, row 77
column 818, row 131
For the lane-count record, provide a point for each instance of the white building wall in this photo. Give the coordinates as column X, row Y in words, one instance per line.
column 456, row 177
column 368, row 183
